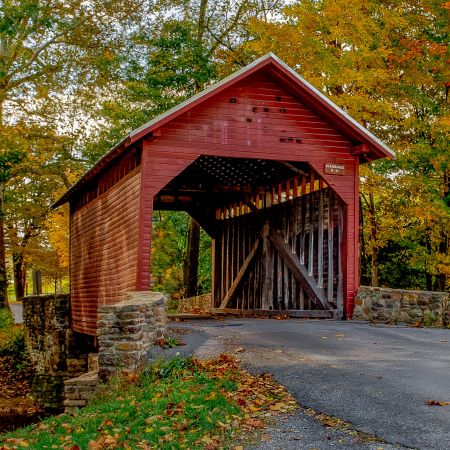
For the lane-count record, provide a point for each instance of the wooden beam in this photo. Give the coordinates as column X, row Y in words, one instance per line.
column 293, row 313
column 205, row 218
column 330, row 248
column 312, row 202
column 361, row 149
column 320, row 219
column 267, row 274
column 292, row 168
column 240, row 275
column 340, row 286
column 299, row 271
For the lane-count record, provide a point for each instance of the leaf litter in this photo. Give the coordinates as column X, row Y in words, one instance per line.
column 183, row 403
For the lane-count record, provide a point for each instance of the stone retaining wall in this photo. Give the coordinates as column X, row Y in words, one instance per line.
column 402, row 306
column 56, row 352
column 198, row 304
column 127, row 330
column 78, row 391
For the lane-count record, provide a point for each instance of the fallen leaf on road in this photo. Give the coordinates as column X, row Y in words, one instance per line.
column 240, row 350
column 437, row 403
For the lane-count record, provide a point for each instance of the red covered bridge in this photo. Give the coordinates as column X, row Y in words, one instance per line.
column 265, row 163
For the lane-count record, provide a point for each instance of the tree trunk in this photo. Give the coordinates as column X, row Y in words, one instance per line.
column 191, row 261
column 3, row 273
column 428, row 274
column 373, row 238
column 362, row 248
column 20, row 276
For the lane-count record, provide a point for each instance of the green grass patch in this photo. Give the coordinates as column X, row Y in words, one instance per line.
column 169, row 405
column 178, row 404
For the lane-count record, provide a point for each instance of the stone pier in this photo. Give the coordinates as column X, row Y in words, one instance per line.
column 127, row 330
column 56, row 352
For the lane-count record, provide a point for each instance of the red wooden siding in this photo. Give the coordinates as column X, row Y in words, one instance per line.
column 104, row 251
column 251, row 119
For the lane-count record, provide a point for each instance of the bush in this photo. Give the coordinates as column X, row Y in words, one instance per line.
column 15, row 345
column 14, row 355
column 6, row 318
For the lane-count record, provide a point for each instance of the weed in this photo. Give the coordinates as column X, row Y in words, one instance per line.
column 169, row 342
column 430, row 319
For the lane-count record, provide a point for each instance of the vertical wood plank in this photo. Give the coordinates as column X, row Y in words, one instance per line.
column 320, row 220
column 238, row 259
column 227, row 256
column 294, row 293
column 279, row 283
column 295, row 188
column 340, row 286
column 302, row 230
column 222, row 262
column 213, row 272
column 330, row 248
column 302, row 299
column 265, row 270
column 285, row 286
column 311, row 236
column 244, row 255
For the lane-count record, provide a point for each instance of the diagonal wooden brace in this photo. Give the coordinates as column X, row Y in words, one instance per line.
column 240, row 276
column 299, row 271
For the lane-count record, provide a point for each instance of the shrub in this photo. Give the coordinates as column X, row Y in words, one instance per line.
column 6, row 318
column 14, row 355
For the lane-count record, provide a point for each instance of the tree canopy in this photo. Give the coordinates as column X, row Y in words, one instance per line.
column 76, row 76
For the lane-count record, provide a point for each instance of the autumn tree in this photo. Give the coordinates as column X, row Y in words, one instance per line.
column 385, row 64
column 180, row 49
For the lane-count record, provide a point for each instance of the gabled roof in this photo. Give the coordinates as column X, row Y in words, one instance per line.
column 278, row 70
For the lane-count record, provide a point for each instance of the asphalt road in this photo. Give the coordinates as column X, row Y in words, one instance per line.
column 376, row 377
column 16, row 309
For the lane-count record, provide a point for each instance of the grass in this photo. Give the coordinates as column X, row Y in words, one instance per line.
column 179, row 404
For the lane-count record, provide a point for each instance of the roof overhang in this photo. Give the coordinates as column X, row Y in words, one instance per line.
column 371, row 146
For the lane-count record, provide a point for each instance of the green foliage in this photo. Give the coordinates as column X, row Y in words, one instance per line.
column 15, row 359
column 429, row 319
column 385, row 63
column 6, row 318
column 15, row 345
column 173, row 404
column 8, row 160
column 168, row 251
column 204, row 263
column 169, row 242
